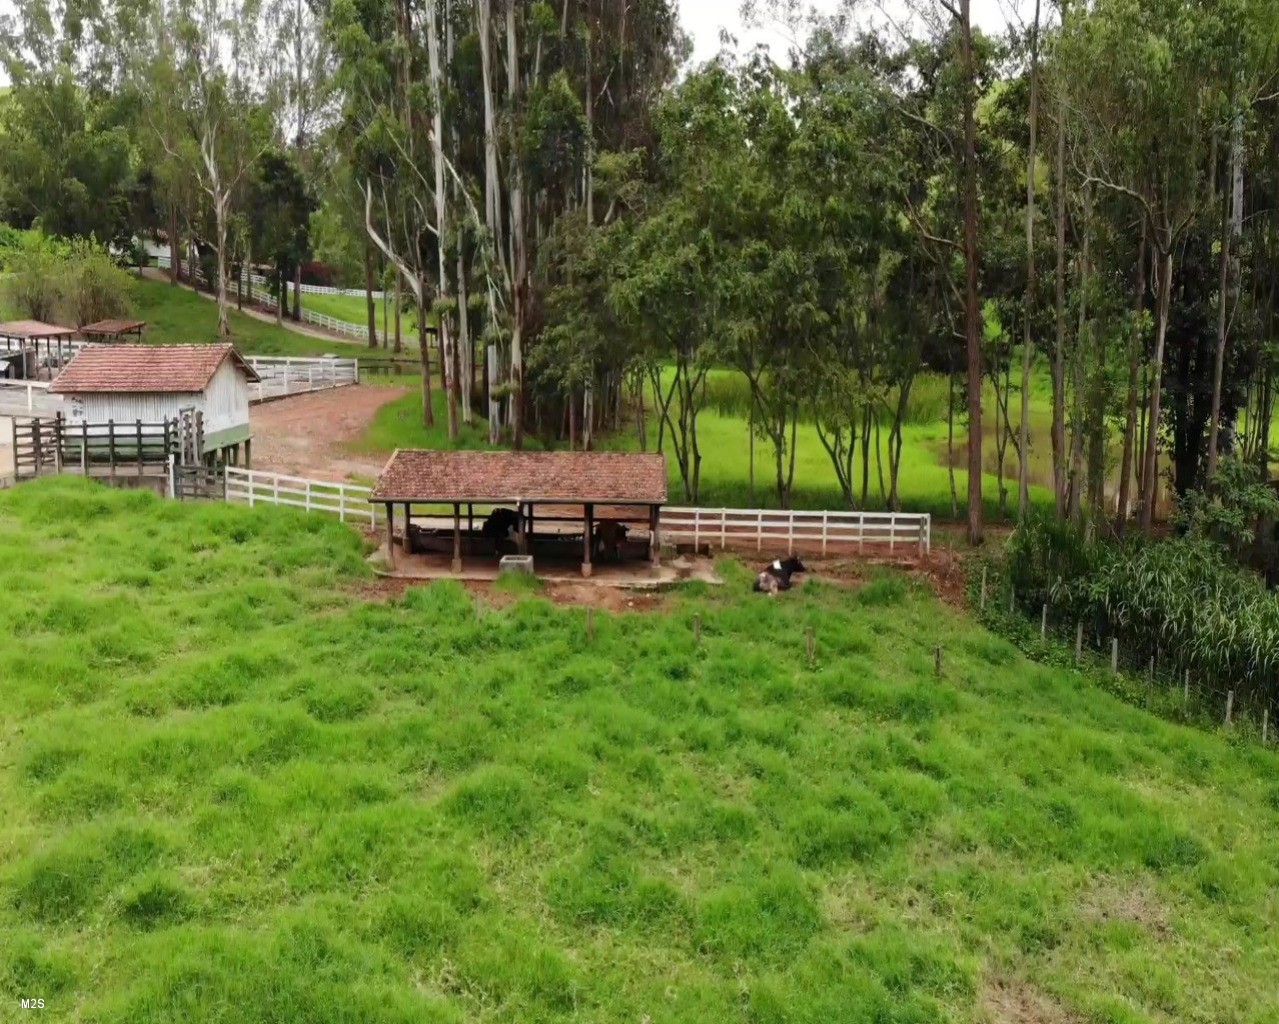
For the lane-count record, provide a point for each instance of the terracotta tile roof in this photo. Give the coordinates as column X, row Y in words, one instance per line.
column 506, row 477
column 34, row 329
column 110, row 328
column 162, row 369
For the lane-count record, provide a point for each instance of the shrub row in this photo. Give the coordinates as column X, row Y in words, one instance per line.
column 1179, row 598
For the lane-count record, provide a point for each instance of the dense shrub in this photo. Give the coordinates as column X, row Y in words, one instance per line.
column 1183, row 597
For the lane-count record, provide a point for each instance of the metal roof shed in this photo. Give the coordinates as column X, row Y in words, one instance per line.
column 583, row 480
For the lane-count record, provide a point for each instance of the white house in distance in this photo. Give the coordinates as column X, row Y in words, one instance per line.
column 157, row 383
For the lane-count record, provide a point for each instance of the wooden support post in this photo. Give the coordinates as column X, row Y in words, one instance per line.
column 654, row 535
column 810, row 640
column 522, row 529
column 1230, row 707
column 470, row 522
column 111, row 444
column 1079, row 643
column 937, row 661
column 139, row 425
column 248, row 453
column 390, row 529
column 1114, row 656
column 457, row 537
column 588, row 541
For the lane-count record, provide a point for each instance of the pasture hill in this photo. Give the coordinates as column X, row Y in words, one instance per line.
column 239, row 784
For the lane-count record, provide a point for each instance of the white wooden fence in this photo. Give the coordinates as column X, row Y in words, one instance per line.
column 348, row 502
column 294, row 376
column 811, row 532
column 800, row 531
column 29, row 396
column 260, row 294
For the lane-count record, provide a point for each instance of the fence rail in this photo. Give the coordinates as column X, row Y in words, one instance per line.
column 291, row 375
column 801, row 531
column 31, row 394
column 807, row 531
column 348, row 502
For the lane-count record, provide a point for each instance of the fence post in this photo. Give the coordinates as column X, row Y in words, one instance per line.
column 1185, row 694
column 892, row 532
column 139, row 426
column 111, row 445
column 307, row 497
column 173, row 476
column 1265, row 725
column 1043, row 624
column 861, row 536
column 759, row 532
column 723, row 529
column 825, row 522
column 1114, row 656
column 1079, row 643
column 922, row 531
column 84, row 448
column 697, row 530
column 1230, row 707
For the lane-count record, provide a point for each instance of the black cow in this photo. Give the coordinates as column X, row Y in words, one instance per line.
column 777, row 577
column 501, row 526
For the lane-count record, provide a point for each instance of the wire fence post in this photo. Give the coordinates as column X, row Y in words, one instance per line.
column 1043, row 624
column 1185, row 694
column 1265, row 725
column 1230, row 708
column 1114, row 656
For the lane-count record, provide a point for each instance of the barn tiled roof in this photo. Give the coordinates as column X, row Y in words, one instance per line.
column 499, row 477
column 113, row 328
column 163, row 369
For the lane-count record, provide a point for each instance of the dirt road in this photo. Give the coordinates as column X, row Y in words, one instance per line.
column 310, row 435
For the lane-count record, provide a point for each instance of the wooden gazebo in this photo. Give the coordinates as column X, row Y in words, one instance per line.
column 586, row 487
column 111, row 331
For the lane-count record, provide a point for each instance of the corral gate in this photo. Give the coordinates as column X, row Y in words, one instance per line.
column 37, row 448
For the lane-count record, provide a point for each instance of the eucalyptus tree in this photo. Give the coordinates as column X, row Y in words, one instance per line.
column 1146, row 79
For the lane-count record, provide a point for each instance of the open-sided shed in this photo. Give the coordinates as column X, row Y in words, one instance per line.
column 34, row 335
column 572, row 485
column 112, row 331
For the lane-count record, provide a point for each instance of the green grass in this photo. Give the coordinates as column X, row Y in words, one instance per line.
column 236, row 790
column 723, row 436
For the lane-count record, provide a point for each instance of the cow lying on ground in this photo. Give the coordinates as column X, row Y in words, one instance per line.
column 777, row 577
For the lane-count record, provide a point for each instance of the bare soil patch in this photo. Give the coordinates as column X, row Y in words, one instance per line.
column 1011, row 1001
column 310, row 435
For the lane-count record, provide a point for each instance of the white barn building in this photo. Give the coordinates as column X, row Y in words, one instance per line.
column 156, row 383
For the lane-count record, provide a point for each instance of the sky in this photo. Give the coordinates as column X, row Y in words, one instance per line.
column 703, row 19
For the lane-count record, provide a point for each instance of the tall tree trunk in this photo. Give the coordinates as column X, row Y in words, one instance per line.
column 399, row 306
column 175, row 248
column 1150, row 477
column 518, row 244
column 368, row 293
column 447, row 358
column 1134, row 371
column 1059, row 348
column 466, row 351
column 1023, row 446
column 424, row 355
column 1231, row 229
column 972, row 298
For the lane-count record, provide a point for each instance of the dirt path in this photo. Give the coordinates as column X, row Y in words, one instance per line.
column 310, row 435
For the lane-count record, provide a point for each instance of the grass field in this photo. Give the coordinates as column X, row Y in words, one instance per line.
column 237, row 789
column 724, row 441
